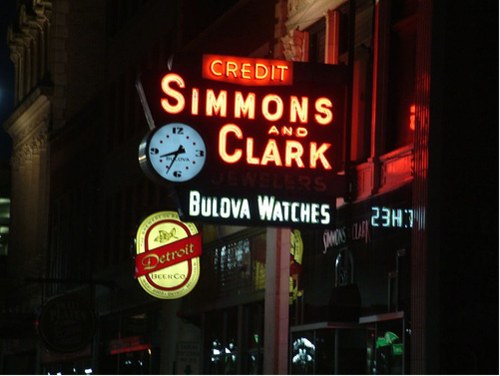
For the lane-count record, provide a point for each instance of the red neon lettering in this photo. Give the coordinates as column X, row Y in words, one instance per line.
column 412, row 117
column 247, row 71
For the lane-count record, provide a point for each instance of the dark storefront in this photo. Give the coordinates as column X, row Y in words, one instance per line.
column 348, row 296
column 356, row 288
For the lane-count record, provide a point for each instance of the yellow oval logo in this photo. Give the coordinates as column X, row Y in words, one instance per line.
column 167, row 263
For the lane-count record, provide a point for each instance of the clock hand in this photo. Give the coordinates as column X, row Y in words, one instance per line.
column 181, row 150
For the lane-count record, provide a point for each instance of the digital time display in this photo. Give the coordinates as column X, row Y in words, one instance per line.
column 391, row 217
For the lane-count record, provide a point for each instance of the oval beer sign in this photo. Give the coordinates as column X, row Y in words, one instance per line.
column 167, row 263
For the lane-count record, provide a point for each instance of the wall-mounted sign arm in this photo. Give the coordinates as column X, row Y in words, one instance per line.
column 144, row 103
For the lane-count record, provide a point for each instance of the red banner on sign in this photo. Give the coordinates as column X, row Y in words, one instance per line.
column 167, row 255
column 247, row 71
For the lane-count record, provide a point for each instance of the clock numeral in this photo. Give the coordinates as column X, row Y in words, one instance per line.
column 375, row 216
column 177, row 173
column 200, row 153
column 178, row 130
column 154, row 151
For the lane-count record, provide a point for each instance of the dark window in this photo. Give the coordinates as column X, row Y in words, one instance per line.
column 317, row 42
column 118, row 12
column 401, row 95
column 234, row 340
column 344, row 31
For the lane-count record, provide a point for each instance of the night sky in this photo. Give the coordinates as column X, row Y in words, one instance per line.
column 7, row 8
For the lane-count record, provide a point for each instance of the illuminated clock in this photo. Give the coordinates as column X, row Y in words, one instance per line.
column 174, row 152
column 391, row 217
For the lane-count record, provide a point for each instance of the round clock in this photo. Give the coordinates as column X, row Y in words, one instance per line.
column 174, row 152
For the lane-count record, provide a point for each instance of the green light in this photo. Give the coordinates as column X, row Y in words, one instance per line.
column 390, row 337
column 397, row 349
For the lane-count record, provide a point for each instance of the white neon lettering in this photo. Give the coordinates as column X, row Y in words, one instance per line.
column 318, row 153
column 223, row 153
column 195, row 99
column 293, row 152
column 269, row 209
column 250, row 158
column 305, row 212
column 325, row 214
column 282, row 70
column 245, row 71
column 274, row 210
column 261, row 71
column 215, row 207
column 266, row 205
column 295, row 206
column 288, row 153
column 194, row 203
column 299, row 110
column 212, row 68
column 244, row 107
column 271, row 154
column 266, row 104
column 231, row 67
column 323, row 108
column 216, row 105
column 178, row 99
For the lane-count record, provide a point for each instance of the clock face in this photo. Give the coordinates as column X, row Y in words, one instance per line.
column 175, row 152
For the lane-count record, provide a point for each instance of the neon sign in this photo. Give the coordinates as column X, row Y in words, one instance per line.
column 272, row 107
column 282, row 123
column 263, row 208
column 247, row 71
column 292, row 153
column 272, row 128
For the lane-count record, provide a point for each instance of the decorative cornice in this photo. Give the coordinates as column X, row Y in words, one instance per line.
column 295, row 45
column 24, row 153
column 29, row 127
column 303, row 13
column 29, row 117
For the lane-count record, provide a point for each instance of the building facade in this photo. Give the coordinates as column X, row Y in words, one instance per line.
column 365, row 295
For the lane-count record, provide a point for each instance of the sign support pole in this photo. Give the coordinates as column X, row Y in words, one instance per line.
column 276, row 309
